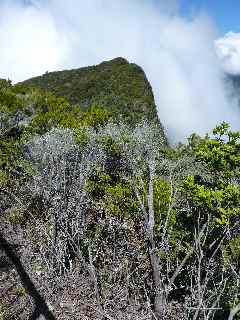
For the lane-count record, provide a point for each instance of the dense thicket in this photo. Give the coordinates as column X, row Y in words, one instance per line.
column 121, row 87
column 109, row 221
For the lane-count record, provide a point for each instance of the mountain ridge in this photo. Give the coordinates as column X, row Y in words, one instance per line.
column 117, row 85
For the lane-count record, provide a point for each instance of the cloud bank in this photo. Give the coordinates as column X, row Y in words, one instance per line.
column 228, row 51
column 177, row 53
column 30, row 41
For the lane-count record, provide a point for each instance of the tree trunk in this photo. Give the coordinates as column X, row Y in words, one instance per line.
column 159, row 294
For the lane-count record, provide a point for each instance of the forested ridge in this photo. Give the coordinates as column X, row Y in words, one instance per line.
column 102, row 219
column 117, row 85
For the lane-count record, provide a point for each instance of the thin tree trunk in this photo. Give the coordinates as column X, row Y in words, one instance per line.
column 234, row 312
column 41, row 306
column 159, row 294
column 97, row 289
column 54, row 241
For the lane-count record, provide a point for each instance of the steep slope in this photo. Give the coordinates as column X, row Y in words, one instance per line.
column 118, row 85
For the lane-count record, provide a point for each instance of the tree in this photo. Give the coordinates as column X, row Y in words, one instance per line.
column 145, row 163
column 62, row 169
column 214, row 201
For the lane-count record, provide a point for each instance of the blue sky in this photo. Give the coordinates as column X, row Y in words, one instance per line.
column 226, row 13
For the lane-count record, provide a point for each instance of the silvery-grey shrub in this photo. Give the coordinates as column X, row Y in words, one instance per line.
column 61, row 171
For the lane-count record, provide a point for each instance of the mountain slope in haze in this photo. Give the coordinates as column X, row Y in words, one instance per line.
column 235, row 83
column 117, row 85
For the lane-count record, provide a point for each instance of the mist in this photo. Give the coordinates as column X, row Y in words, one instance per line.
column 177, row 53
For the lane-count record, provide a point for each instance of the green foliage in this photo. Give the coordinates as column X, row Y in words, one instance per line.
column 97, row 183
column 162, row 198
column 121, row 87
column 5, row 84
column 25, row 112
column 52, row 112
column 110, row 146
column 221, row 153
column 128, row 155
column 221, row 193
column 9, row 101
column 3, row 178
column 223, row 201
column 231, row 253
column 9, row 160
column 95, row 117
column 82, row 136
column 16, row 217
column 20, row 292
column 119, row 200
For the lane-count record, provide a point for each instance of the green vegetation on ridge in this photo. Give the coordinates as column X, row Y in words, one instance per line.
column 111, row 220
column 119, row 86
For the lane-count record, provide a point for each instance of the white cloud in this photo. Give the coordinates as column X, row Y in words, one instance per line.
column 228, row 51
column 177, row 54
column 30, row 42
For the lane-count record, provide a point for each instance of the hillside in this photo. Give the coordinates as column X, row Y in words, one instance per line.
column 100, row 218
column 118, row 85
